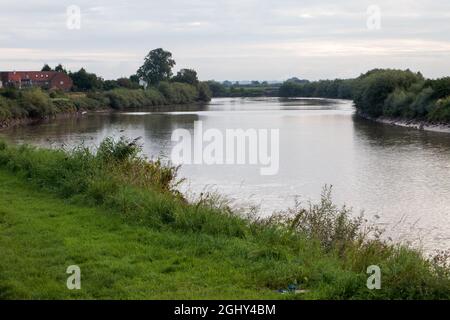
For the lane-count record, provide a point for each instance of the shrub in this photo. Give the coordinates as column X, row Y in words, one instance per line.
column 36, row 103
column 64, row 105
column 204, row 93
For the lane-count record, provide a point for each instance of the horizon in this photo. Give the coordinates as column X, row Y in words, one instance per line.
column 223, row 40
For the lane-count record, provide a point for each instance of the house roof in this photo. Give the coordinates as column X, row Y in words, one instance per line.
column 32, row 75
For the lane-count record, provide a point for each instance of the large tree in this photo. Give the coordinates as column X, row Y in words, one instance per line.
column 157, row 66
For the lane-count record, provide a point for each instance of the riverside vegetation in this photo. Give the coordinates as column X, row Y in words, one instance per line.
column 120, row 218
column 384, row 92
column 159, row 87
column 35, row 103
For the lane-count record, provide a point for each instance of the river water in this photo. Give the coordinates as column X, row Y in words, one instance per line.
column 400, row 177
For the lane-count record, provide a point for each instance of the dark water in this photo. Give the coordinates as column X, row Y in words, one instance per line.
column 399, row 176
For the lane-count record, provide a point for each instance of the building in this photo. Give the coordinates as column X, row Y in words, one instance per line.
column 43, row 79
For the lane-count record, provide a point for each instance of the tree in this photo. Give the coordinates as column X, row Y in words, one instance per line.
column 46, row 67
column 60, row 68
column 217, row 89
column 110, row 85
column 157, row 66
column 186, row 76
column 373, row 88
column 441, row 87
column 127, row 83
column 85, row 81
column 134, row 78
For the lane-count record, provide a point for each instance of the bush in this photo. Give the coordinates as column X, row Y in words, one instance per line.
column 85, row 103
column 36, row 103
column 64, row 105
column 204, row 93
column 5, row 109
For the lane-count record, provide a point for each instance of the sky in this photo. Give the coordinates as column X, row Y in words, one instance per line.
column 229, row 39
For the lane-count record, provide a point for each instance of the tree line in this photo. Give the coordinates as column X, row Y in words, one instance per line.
column 157, row 67
column 153, row 84
column 383, row 92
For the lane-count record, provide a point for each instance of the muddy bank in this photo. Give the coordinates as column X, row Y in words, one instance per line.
column 414, row 124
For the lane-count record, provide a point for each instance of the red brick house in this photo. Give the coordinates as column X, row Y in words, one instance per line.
column 43, row 79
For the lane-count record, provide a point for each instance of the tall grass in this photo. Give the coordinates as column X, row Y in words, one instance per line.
column 318, row 246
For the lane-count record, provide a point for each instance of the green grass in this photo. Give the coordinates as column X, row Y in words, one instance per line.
column 40, row 236
column 118, row 217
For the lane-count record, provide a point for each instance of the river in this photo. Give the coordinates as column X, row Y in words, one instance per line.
column 400, row 177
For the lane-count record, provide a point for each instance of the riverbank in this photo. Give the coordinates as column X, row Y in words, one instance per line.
column 389, row 95
column 121, row 219
column 414, row 124
column 9, row 123
column 34, row 104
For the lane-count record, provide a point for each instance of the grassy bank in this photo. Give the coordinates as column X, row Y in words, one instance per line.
column 120, row 218
column 35, row 103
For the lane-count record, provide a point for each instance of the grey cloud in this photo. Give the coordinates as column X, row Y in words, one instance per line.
column 229, row 39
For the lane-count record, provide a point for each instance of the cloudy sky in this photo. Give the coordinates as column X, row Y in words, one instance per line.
column 230, row 39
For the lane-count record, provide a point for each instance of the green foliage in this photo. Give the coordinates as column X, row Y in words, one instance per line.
column 84, row 81
column 120, row 83
column 440, row 112
column 383, row 92
column 441, row 87
column 157, row 66
column 186, row 76
column 374, row 87
column 86, row 103
column 64, row 105
column 36, row 103
column 125, row 98
column 60, row 68
column 339, row 89
column 255, row 89
column 217, row 89
column 332, row 227
column 122, row 150
column 204, row 92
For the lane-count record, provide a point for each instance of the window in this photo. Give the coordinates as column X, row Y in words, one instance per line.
column 61, row 82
